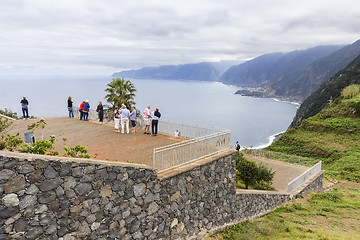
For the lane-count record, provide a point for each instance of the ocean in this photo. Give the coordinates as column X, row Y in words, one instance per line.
column 253, row 122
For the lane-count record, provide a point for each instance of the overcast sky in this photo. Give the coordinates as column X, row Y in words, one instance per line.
column 104, row 36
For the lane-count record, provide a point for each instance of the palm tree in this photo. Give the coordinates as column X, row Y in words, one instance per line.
column 120, row 91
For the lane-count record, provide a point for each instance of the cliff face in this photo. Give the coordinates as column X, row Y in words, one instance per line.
column 296, row 84
column 197, row 71
column 270, row 68
column 330, row 89
column 302, row 85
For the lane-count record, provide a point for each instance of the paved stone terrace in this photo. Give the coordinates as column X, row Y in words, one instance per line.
column 99, row 138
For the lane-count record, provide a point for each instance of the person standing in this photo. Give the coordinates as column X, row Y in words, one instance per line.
column 147, row 116
column 155, row 121
column 237, row 146
column 86, row 110
column 24, row 108
column 133, row 119
column 116, row 119
column 100, row 111
column 81, row 109
column 125, row 114
column 70, row 107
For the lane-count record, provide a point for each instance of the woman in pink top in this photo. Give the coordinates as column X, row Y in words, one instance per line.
column 147, row 116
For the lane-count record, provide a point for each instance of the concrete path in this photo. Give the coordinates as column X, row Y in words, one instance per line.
column 284, row 172
column 100, row 139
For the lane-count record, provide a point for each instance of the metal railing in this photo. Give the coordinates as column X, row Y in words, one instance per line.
column 202, row 142
column 93, row 115
column 175, row 155
column 295, row 183
column 186, row 131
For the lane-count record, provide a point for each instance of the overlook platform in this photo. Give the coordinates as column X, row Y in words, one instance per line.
column 100, row 139
column 105, row 144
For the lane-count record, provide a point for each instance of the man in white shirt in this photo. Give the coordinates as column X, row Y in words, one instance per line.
column 125, row 113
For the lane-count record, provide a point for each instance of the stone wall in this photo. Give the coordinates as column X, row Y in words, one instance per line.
column 314, row 184
column 63, row 198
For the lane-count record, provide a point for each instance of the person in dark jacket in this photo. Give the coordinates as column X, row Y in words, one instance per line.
column 100, row 111
column 70, row 107
column 155, row 121
column 237, row 146
column 24, row 107
column 86, row 110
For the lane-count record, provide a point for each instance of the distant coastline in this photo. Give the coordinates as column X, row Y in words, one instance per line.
column 271, row 140
column 260, row 92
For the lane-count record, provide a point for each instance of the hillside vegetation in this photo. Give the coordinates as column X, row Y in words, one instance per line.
column 325, row 215
column 333, row 136
column 330, row 89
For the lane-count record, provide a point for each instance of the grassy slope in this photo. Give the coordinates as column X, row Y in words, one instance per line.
column 332, row 136
column 326, row 215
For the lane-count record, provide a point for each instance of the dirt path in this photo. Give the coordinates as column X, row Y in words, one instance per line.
column 101, row 140
column 285, row 172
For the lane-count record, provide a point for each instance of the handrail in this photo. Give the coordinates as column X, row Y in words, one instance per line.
column 177, row 154
column 295, row 183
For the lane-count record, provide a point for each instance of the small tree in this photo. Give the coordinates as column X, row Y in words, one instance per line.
column 264, row 177
column 246, row 170
column 258, row 176
column 120, row 91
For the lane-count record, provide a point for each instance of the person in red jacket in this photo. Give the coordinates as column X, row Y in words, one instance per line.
column 81, row 110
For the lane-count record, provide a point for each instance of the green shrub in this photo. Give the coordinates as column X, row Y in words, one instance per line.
column 76, row 151
column 4, row 123
column 2, row 145
column 43, row 147
column 12, row 142
column 350, row 91
column 258, row 176
column 247, row 172
column 264, row 177
column 9, row 113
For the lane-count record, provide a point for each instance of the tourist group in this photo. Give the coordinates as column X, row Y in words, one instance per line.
column 122, row 116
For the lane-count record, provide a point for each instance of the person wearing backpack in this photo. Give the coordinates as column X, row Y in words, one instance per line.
column 155, row 121
column 237, row 146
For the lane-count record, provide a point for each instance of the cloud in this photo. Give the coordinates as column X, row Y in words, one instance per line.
column 111, row 35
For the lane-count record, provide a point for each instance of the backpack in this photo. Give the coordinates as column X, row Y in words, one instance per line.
column 116, row 114
column 157, row 113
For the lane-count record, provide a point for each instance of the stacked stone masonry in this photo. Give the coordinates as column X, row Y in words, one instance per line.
column 62, row 198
